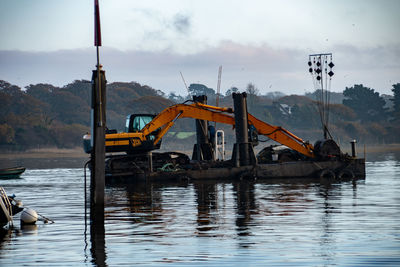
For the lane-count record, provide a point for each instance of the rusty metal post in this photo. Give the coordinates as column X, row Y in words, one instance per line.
column 243, row 150
column 202, row 150
column 241, row 130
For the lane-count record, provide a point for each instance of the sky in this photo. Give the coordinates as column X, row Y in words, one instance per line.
column 264, row 42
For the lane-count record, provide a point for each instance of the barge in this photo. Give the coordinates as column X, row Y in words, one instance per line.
column 144, row 132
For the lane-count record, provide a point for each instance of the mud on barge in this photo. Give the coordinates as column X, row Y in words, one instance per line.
column 298, row 159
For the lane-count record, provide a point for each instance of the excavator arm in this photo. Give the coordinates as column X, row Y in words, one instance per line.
column 165, row 119
column 147, row 138
column 195, row 111
column 282, row 136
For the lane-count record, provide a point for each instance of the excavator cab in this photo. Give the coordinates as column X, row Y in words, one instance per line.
column 136, row 122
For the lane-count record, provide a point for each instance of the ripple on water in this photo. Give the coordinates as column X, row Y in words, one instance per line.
column 211, row 224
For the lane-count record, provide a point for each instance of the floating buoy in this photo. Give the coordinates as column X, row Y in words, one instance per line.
column 29, row 216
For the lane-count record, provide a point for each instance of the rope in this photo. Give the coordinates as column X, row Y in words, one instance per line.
column 85, row 194
column 85, row 201
column 46, row 220
column 319, row 63
column 168, row 167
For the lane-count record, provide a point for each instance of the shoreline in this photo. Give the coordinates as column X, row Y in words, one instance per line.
column 79, row 153
column 46, row 153
column 373, row 149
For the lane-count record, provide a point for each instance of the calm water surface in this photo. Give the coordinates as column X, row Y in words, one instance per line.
column 296, row 223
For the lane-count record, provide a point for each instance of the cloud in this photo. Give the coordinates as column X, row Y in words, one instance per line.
column 158, row 31
column 181, row 23
column 367, row 58
column 58, row 68
column 269, row 68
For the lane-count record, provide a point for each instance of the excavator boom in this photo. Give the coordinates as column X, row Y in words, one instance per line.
column 282, row 136
column 195, row 111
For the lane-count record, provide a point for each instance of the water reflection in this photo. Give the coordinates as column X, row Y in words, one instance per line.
column 5, row 236
column 245, row 206
column 31, row 229
column 329, row 193
column 145, row 200
column 390, row 156
column 207, row 207
column 236, row 223
column 97, row 236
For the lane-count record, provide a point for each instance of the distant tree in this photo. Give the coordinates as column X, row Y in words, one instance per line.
column 5, row 105
column 120, row 95
column 304, row 116
column 366, row 103
column 274, row 95
column 355, row 129
column 231, row 91
column 295, row 100
column 396, row 101
column 340, row 112
column 47, row 115
column 7, row 134
column 42, row 91
column 149, row 104
column 69, row 108
column 136, row 89
column 8, row 88
column 66, row 135
column 70, row 104
column 251, row 89
column 160, row 93
column 252, row 95
column 176, row 98
column 200, row 89
column 334, row 97
column 82, row 89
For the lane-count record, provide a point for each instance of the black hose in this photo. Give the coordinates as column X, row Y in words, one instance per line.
column 85, row 196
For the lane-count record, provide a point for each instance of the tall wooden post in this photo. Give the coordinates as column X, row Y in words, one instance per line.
column 98, row 127
column 97, row 178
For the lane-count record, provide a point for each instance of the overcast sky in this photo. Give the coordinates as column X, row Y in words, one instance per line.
column 263, row 42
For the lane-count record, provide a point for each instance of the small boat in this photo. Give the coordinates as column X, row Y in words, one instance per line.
column 13, row 172
column 9, row 206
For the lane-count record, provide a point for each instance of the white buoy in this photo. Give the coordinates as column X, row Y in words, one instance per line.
column 29, row 216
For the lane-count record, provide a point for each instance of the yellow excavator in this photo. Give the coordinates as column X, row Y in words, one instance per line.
column 144, row 131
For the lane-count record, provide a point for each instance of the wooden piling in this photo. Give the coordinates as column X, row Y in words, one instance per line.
column 98, row 152
column 243, row 154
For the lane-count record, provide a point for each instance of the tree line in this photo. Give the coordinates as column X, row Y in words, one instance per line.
column 43, row 115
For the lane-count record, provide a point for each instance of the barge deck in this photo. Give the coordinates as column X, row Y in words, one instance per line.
column 334, row 170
